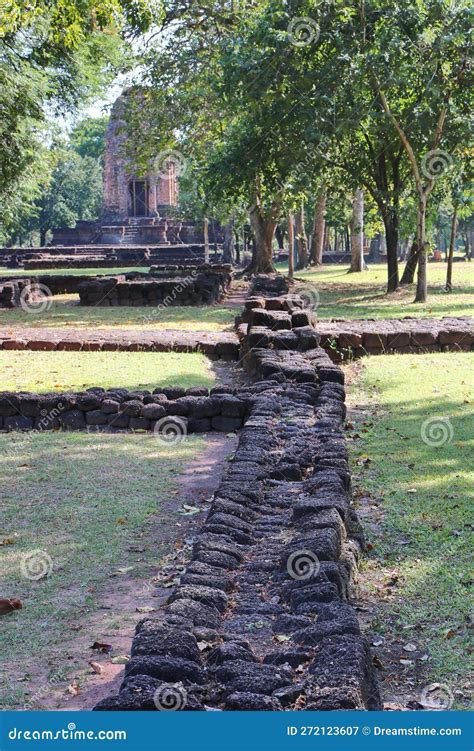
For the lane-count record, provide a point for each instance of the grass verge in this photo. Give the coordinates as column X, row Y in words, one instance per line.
column 66, row 311
column 43, row 372
column 72, row 272
column 80, row 506
column 412, row 432
column 363, row 295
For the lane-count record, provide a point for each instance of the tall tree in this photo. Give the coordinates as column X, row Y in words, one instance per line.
column 317, row 236
column 357, row 232
column 55, row 54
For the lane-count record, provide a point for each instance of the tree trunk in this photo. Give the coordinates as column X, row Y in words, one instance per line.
column 357, row 233
column 467, row 245
column 390, row 221
column 317, row 237
column 228, row 254
column 412, row 262
column 263, row 230
column 43, row 236
column 280, row 236
column 237, row 246
column 302, row 240
column 421, row 283
column 291, row 246
column 452, row 241
column 206, row 240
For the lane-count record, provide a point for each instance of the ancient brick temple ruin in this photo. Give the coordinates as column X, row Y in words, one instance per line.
column 130, row 192
column 140, row 205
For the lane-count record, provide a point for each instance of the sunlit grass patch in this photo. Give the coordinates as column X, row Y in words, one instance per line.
column 413, row 447
column 363, row 295
column 24, row 370
column 66, row 311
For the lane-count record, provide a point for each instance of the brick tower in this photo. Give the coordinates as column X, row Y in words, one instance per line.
column 131, row 193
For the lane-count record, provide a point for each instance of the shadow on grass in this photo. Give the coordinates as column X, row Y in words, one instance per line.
column 85, row 507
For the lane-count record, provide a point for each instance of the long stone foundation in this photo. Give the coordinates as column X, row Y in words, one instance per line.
column 104, row 256
column 196, row 286
column 268, row 585
column 195, row 410
column 283, row 323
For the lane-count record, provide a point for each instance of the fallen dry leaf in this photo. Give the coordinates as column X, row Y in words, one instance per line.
column 8, row 541
column 73, row 689
column 188, row 510
column 8, row 606
column 120, row 660
column 96, row 667
column 203, row 645
column 102, row 647
column 122, row 571
column 145, row 609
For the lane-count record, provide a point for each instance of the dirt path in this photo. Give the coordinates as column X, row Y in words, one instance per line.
column 197, row 484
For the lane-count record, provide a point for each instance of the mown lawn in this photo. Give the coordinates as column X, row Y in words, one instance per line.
column 42, row 372
column 72, row 272
column 78, row 522
column 66, row 311
column 363, row 295
column 412, row 449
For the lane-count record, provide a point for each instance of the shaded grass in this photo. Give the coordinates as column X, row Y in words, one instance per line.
column 82, row 500
column 24, row 370
column 72, row 272
column 424, row 494
column 363, row 295
column 66, row 311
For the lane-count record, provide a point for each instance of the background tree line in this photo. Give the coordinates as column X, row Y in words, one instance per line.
column 304, row 115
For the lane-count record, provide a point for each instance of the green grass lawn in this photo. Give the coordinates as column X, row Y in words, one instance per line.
column 71, row 272
column 44, row 372
column 66, row 311
column 418, row 513
column 363, row 295
column 85, row 508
